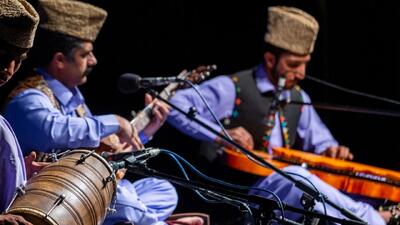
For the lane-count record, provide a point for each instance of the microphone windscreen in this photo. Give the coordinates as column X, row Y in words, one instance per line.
column 129, row 83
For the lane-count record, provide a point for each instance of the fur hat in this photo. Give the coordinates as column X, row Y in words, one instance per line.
column 291, row 29
column 74, row 18
column 18, row 23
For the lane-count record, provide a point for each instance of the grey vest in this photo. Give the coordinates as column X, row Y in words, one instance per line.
column 252, row 111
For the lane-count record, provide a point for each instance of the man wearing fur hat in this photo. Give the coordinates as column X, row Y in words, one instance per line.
column 48, row 112
column 246, row 104
column 18, row 23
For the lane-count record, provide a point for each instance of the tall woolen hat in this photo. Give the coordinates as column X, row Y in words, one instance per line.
column 18, row 23
column 74, row 18
column 291, row 29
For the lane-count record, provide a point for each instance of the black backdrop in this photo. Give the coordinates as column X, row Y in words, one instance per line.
column 357, row 48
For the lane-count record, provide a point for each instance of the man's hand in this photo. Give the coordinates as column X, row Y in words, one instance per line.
column 242, row 137
column 338, row 152
column 127, row 134
column 9, row 219
column 159, row 115
column 112, row 143
column 31, row 166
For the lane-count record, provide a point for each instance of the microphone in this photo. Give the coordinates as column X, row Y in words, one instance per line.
column 123, row 159
column 279, row 89
column 130, row 83
column 270, row 120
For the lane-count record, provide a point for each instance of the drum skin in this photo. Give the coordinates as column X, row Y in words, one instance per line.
column 68, row 192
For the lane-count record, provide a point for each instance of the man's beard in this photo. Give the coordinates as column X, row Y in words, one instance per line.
column 87, row 71
column 275, row 74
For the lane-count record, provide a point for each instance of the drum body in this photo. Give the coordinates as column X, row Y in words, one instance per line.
column 71, row 191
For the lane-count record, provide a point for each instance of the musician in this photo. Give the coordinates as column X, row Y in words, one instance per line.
column 18, row 23
column 246, row 103
column 48, row 112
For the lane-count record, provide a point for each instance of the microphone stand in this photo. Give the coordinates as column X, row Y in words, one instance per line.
column 298, row 183
column 263, row 205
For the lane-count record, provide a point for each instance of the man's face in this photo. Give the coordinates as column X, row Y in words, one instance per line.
column 76, row 69
column 10, row 61
column 292, row 66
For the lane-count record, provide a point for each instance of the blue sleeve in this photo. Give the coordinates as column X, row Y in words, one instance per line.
column 12, row 167
column 315, row 135
column 144, row 138
column 146, row 201
column 40, row 126
column 220, row 95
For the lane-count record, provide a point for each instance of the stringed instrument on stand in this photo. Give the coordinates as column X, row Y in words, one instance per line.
column 143, row 118
column 347, row 176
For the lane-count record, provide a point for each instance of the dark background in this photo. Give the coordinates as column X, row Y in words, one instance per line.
column 357, row 47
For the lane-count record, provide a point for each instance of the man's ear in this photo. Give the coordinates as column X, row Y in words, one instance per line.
column 269, row 60
column 59, row 60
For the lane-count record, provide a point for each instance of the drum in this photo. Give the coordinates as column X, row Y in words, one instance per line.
column 76, row 190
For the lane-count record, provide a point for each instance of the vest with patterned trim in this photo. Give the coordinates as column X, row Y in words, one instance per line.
column 251, row 108
column 37, row 82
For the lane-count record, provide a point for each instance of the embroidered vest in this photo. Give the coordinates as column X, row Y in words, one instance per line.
column 251, row 108
column 37, row 82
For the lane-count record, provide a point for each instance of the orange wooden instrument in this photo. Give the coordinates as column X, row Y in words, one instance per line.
column 351, row 177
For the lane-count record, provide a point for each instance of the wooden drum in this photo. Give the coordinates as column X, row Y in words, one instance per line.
column 76, row 190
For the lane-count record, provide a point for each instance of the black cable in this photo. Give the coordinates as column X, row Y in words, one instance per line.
column 347, row 90
column 209, row 109
column 316, row 189
column 280, row 204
